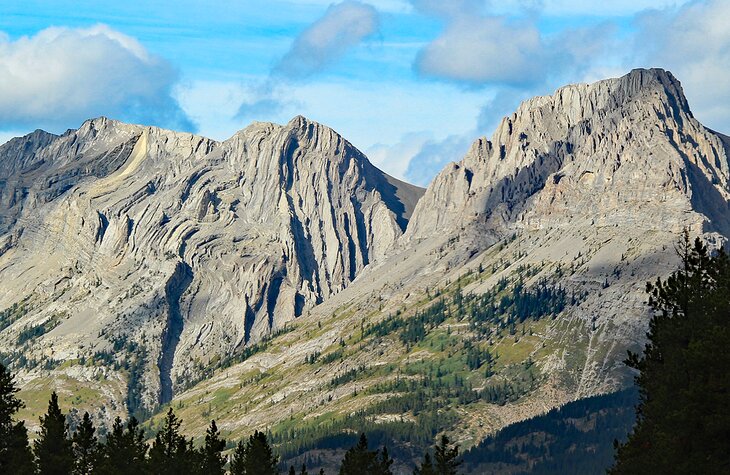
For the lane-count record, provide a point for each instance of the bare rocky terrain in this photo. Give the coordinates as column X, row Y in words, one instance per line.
column 278, row 280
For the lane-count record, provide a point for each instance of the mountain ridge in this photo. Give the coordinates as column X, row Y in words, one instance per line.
column 516, row 286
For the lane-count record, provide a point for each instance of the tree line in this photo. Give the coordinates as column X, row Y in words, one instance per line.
column 125, row 451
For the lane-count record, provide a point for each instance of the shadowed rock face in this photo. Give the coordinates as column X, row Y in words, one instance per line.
column 187, row 246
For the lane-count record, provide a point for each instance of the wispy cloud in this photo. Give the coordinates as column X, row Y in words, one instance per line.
column 329, row 38
column 62, row 76
column 343, row 26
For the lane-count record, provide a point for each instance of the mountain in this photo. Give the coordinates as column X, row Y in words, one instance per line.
column 160, row 250
column 279, row 281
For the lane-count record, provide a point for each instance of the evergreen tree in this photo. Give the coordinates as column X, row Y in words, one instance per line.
column 426, row 467
column 361, row 461
column 304, row 470
column 259, row 459
column 212, row 460
column 171, row 453
column 446, row 457
column 52, row 448
column 683, row 416
column 238, row 459
column 85, row 447
column 292, row 471
column 124, row 451
column 15, row 454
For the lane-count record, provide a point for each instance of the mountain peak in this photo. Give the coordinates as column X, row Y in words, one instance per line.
column 604, row 136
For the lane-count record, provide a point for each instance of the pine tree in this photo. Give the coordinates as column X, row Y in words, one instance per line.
column 15, row 454
column 125, row 451
column 171, row 453
column 446, row 457
column 53, row 448
column 212, row 460
column 85, row 447
column 426, row 467
column 683, row 416
column 259, row 459
column 238, row 460
column 361, row 461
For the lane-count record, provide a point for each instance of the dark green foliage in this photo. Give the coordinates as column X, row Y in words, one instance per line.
column 202, row 372
column 34, row 331
column 445, row 461
column 255, row 457
column 212, row 460
column 53, row 448
column 361, row 461
column 171, row 453
column 683, row 417
column 85, row 447
column 446, row 457
column 576, row 439
column 238, row 459
column 13, row 313
column 125, row 450
column 292, row 471
column 130, row 356
column 502, row 307
column 15, row 454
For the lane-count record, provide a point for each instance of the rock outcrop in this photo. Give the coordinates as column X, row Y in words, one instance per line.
column 183, row 246
column 597, row 178
column 164, row 253
column 624, row 151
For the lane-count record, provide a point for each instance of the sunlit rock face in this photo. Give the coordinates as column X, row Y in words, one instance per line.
column 184, row 246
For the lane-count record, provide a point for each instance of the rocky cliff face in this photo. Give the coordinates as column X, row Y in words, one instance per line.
column 616, row 151
column 599, row 179
column 180, row 247
column 170, row 251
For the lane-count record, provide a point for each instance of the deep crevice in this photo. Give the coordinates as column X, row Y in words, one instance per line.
column 176, row 286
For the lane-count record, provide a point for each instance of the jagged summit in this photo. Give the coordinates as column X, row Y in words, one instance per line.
column 176, row 251
column 220, row 242
column 586, row 150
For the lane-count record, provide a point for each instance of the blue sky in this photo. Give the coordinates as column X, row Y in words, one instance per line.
column 410, row 82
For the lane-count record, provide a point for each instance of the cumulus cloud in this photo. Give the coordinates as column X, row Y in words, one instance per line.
column 479, row 47
column 396, row 158
column 481, row 50
column 343, row 26
column 62, row 76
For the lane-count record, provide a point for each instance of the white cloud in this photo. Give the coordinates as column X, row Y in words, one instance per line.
column 481, row 50
column 343, row 26
column 62, row 76
column 396, row 158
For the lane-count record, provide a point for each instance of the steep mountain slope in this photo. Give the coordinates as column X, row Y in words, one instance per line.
column 150, row 251
column 518, row 285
